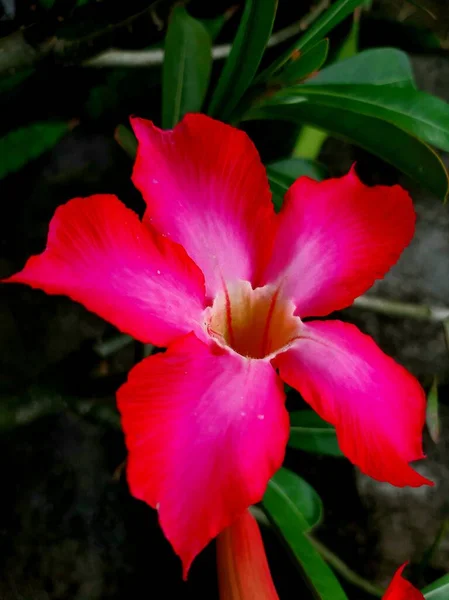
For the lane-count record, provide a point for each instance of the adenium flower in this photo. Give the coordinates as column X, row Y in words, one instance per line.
column 244, row 574
column 214, row 274
column 401, row 589
column 242, row 566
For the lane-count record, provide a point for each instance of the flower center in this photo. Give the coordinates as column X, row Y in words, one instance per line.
column 255, row 323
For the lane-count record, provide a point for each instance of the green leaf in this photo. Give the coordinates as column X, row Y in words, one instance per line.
column 127, row 140
column 187, row 67
column 282, row 173
column 420, row 114
column 214, row 25
column 282, row 506
column 27, row 143
column 309, row 432
column 307, row 63
column 401, row 149
column 432, row 417
column 317, row 31
column 9, row 82
column 297, row 167
column 242, row 63
column 302, row 495
column 350, row 45
column 379, row 66
column 438, row 590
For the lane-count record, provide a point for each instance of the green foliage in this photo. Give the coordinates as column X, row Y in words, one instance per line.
column 22, row 145
column 10, row 82
column 378, row 66
column 307, row 64
column 350, row 45
column 438, row 590
column 215, row 25
column 126, row 139
column 384, row 120
column 282, row 173
column 289, row 509
column 242, row 63
column 415, row 112
column 332, row 17
column 309, row 432
column 300, row 494
column 187, row 67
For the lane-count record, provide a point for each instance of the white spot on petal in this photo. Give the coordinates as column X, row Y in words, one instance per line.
column 243, row 413
column 158, row 505
column 155, row 181
column 261, row 417
column 158, row 272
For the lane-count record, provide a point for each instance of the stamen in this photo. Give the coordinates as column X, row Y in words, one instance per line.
column 268, row 322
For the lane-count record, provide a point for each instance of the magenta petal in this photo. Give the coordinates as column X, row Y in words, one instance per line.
column 401, row 589
column 100, row 254
column 206, row 189
column 205, row 430
column 377, row 407
column 335, row 238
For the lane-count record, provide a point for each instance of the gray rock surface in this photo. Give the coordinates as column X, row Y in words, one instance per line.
column 406, row 521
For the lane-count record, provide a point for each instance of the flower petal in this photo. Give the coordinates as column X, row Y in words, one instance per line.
column 335, row 238
column 100, row 254
column 401, row 589
column 377, row 407
column 205, row 430
column 243, row 571
column 206, row 189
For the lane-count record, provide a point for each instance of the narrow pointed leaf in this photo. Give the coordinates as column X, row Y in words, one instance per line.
column 307, row 64
column 282, row 173
column 126, row 139
column 350, row 45
column 22, row 145
column 214, row 25
column 403, row 150
column 187, row 67
column 420, row 114
column 378, row 66
column 438, row 590
column 287, row 514
column 310, row 433
column 302, row 495
column 317, row 31
column 242, row 63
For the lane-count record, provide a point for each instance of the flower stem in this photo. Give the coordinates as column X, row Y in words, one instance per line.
column 409, row 310
column 343, row 569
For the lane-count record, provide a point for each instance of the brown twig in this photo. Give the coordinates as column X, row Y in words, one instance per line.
column 147, row 58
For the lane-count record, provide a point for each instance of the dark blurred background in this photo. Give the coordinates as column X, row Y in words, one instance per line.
column 68, row 527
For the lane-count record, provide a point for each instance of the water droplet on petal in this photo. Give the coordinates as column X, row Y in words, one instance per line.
column 155, row 181
column 158, row 272
column 261, row 417
column 158, row 505
column 243, row 413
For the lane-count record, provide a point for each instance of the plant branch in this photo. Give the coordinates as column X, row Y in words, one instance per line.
column 343, row 569
column 28, row 46
column 146, row 58
column 409, row 310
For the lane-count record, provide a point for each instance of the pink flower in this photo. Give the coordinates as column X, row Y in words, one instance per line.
column 214, row 274
column 401, row 589
column 244, row 574
column 243, row 571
